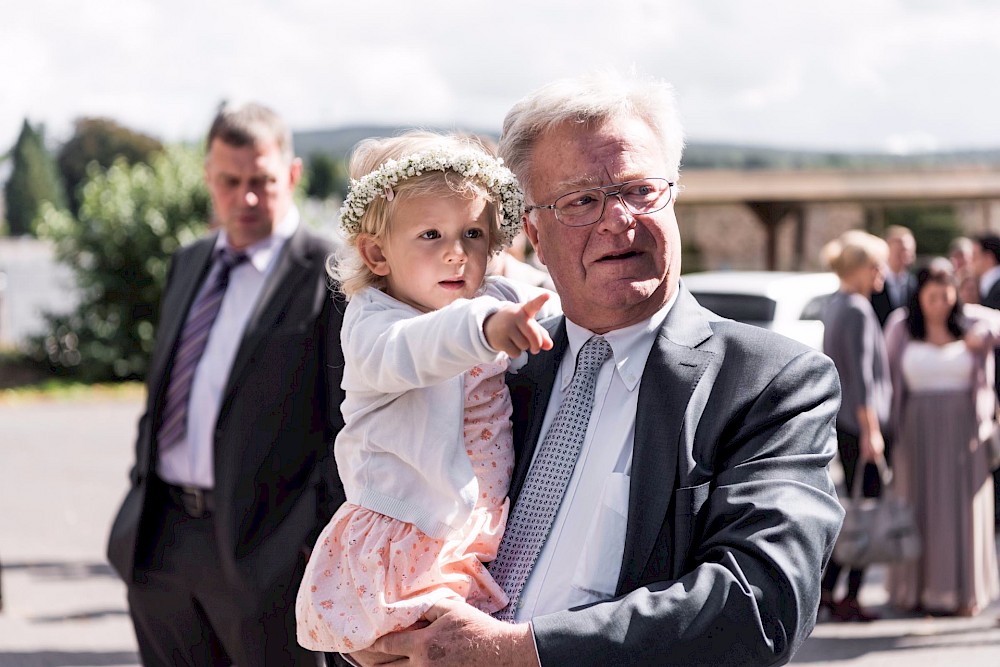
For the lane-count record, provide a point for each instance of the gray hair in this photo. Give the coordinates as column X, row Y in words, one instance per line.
column 251, row 124
column 592, row 98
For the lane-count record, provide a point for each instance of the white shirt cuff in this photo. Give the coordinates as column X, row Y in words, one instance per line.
column 534, row 643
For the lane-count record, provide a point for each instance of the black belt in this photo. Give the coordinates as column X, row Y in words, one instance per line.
column 196, row 503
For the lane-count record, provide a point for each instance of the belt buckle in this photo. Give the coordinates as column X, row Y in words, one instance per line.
column 198, row 509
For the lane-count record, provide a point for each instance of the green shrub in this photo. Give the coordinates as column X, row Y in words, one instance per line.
column 132, row 218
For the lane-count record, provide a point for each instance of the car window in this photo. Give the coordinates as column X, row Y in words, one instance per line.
column 814, row 309
column 739, row 307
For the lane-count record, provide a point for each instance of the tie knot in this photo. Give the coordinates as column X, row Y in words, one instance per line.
column 593, row 353
column 231, row 258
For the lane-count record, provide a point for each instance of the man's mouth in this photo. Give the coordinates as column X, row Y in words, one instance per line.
column 613, row 256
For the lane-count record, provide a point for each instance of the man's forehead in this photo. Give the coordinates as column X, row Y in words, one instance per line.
column 227, row 158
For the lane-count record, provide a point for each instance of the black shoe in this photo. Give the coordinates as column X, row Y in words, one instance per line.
column 848, row 610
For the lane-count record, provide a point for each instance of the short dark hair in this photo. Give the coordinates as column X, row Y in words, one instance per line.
column 989, row 243
column 250, row 124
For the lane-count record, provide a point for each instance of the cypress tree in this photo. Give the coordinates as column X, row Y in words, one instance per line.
column 34, row 180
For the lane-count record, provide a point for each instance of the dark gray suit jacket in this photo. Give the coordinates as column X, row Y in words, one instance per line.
column 883, row 305
column 275, row 478
column 732, row 512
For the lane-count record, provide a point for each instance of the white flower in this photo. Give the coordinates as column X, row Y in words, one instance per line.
column 490, row 172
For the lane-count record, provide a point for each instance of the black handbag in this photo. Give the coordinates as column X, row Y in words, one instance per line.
column 876, row 530
column 992, row 444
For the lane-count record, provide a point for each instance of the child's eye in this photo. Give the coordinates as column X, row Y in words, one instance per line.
column 430, row 234
column 473, row 233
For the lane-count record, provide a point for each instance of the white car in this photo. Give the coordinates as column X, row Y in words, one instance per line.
column 786, row 302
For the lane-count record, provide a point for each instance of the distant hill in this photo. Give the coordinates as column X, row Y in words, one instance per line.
column 731, row 156
column 337, row 143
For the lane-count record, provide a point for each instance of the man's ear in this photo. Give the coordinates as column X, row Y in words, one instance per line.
column 370, row 249
column 531, row 231
column 295, row 172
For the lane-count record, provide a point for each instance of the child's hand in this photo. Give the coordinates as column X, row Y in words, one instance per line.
column 513, row 329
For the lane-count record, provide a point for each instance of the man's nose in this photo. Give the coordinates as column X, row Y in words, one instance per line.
column 616, row 214
column 250, row 198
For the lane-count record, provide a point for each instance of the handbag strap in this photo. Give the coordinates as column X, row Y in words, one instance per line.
column 884, row 474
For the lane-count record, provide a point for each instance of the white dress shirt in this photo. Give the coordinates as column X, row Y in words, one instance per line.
column 988, row 280
column 581, row 559
column 895, row 283
column 191, row 462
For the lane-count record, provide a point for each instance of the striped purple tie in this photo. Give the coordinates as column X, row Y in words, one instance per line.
column 190, row 347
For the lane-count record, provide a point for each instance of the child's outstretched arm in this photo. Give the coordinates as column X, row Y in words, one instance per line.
column 513, row 329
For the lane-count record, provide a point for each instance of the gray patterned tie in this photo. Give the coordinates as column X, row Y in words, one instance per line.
column 546, row 482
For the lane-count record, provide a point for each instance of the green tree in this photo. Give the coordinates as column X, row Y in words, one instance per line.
column 933, row 225
column 326, row 177
column 321, row 176
column 132, row 218
column 102, row 141
column 33, row 180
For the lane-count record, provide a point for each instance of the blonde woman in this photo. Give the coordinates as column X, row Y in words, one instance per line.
column 853, row 339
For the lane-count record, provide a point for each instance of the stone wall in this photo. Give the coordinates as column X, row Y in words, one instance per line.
column 731, row 237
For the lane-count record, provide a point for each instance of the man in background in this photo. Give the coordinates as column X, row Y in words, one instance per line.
column 900, row 283
column 986, row 267
column 233, row 477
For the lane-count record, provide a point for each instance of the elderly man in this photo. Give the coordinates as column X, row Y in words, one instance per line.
column 671, row 501
column 234, row 477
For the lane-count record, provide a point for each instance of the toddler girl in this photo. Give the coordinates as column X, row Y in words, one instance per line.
column 425, row 455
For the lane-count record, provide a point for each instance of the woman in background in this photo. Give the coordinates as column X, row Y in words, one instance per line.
column 943, row 398
column 852, row 337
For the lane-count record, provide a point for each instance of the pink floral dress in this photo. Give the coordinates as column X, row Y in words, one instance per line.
column 371, row 574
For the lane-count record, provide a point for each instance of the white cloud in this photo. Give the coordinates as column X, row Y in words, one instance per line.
column 850, row 75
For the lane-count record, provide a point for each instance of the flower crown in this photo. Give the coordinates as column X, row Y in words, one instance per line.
column 488, row 171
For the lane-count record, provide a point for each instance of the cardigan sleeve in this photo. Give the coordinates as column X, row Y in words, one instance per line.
column 395, row 349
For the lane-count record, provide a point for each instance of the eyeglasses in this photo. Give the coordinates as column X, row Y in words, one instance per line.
column 585, row 207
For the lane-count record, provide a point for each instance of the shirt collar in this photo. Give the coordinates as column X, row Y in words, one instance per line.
column 630, row 346
column 263, row 253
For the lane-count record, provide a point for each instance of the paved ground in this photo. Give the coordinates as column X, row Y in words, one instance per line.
column 63, row 471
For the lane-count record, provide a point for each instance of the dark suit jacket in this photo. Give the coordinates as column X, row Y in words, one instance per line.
column 992, row 300
column 883, row 305
column 732, row 513
column 275, row 477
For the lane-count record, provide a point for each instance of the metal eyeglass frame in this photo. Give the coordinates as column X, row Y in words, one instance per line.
column 604, row 202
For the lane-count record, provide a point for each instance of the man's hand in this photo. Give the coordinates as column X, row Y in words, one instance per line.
column 458, row 635
column 513, row 329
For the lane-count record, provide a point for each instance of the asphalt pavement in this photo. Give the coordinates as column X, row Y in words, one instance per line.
column 63, row 471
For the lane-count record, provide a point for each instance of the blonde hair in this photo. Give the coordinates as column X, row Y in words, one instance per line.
column 854, row 249
column 347, row 268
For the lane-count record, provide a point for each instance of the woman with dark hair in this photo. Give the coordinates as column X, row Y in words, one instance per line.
column 942, row 401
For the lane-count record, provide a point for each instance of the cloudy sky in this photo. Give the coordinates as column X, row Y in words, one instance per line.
column 896, row 75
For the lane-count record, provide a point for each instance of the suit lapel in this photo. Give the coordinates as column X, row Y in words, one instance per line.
column 663, row 430
column 188, row 275
column 543, row 368
column 291, row 270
